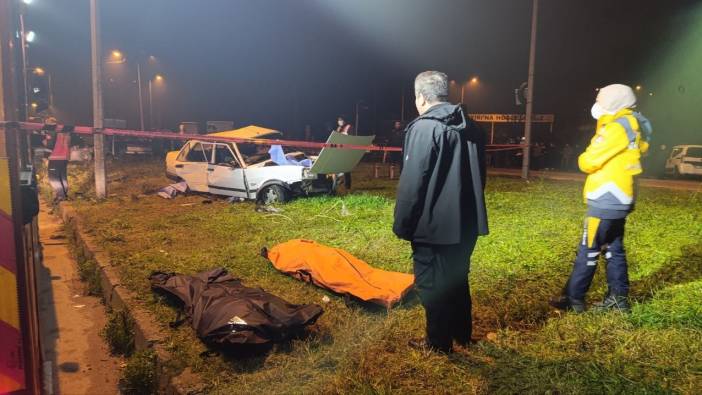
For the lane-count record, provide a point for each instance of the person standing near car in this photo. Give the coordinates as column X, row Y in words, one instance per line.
column 343, row 127
column 612, row 161
column 440, row 209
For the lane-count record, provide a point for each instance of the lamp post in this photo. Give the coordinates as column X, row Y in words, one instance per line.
column 157, row 78
column 472, row 81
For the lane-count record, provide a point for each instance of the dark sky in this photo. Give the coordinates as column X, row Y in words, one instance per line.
column 285, row 63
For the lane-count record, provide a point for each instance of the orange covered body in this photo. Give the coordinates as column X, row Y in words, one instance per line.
column 340, row 272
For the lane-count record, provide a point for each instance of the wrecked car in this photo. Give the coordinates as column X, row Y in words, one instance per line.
column 259, row 172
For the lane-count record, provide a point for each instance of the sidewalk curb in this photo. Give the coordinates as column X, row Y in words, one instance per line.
column 147, row 332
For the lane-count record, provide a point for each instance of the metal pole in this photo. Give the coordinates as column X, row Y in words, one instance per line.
column 98, row 138
column 492, row 133
column 151, row 109
column 530, row 92
column 141, row 102
column 355, row 126
column 463, row 88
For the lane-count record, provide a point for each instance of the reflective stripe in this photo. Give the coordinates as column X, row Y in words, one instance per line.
column 592, row 263
column 612, row 188
column 608, row 255
column 593, row 254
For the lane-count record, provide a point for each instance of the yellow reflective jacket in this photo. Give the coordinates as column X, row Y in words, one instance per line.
column 612, row 160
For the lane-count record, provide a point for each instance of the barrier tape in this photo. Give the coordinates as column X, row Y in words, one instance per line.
column 168, row 135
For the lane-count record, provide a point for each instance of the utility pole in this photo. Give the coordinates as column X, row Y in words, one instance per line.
column 141, row 102
column 530, row 92
column 98, row 137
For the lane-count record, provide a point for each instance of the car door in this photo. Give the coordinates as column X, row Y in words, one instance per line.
column 673, row 159
column 225, row 175
column 192, row 164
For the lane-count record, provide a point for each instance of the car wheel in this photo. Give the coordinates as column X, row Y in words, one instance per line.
column 273, row 194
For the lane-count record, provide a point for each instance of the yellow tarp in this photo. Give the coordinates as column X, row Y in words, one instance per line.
column 248, row 132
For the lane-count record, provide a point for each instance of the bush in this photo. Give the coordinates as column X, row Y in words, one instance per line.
column 119, row 333
column 139, row 375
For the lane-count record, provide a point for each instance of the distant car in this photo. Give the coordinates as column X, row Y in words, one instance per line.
column 247, row 171
column 685, row 160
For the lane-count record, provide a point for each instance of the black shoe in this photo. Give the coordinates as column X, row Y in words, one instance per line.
column 464, row 342
column 424, row 346
column 566, row 303
column 613, row 302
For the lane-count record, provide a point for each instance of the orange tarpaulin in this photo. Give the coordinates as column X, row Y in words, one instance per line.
column 339, row 271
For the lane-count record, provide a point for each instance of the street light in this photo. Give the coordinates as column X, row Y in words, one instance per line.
column 473, row 81
column 638, row 87
column 30, row 36
column 39, row 71
column 117, row 57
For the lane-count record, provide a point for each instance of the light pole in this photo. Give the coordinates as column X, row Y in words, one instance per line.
column 157, row 78
column 141, row 102
column 530, row 92
column 472, row 81
column 119, row 58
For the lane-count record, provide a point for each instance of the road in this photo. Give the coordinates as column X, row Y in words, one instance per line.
column 70, row 321
column 682, row 185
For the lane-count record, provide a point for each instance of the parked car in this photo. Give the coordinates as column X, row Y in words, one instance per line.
column 684, row 160
column 248, row 171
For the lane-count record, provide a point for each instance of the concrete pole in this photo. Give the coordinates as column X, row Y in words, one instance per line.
column 98, row 137
column 530, row 92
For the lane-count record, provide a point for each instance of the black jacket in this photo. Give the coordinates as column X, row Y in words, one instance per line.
column 440, row 193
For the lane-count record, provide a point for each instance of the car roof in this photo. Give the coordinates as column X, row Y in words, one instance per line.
column 247, row 132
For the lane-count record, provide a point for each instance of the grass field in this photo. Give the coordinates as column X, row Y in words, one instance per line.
column 525, row 347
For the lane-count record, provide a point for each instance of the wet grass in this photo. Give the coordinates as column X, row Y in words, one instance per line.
column 525, row 347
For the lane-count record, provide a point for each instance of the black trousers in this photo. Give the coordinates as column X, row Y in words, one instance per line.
column 441, row 280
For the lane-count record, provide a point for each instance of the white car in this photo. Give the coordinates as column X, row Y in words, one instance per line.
column 685, row 160
column 246, row 170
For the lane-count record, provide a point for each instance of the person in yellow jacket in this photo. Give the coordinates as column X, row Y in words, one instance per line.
column 612, row 161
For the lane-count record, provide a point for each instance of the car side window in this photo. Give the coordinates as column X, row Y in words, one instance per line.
column 198, row 152
column 224, row 156
column 694, row 152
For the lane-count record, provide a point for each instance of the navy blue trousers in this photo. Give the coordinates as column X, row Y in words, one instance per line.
column 600, row 236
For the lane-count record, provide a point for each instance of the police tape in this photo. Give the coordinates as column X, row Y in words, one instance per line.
column 169, row 135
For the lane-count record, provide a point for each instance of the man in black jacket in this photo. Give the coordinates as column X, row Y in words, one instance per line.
column 440, row 209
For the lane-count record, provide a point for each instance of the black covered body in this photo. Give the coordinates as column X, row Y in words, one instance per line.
column 224, row 311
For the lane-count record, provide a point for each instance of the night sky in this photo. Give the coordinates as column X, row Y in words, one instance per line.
column 287, row 63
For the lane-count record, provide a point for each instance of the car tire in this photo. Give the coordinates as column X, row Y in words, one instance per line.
column 676, row 173
column 273, row 194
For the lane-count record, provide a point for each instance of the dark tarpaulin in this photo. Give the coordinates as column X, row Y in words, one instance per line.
column 223, row 311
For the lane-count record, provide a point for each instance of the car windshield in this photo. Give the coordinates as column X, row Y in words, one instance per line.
column 254, row 153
